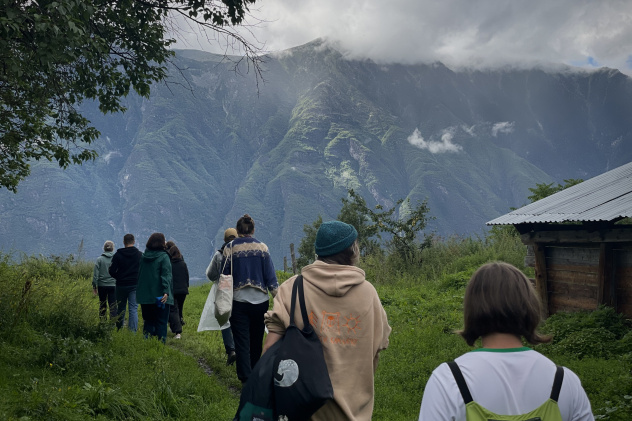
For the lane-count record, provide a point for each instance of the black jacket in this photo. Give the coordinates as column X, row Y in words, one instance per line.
column 124, row 267
column 180, row 276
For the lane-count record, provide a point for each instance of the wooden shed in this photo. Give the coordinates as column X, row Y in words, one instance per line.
column 580, row 244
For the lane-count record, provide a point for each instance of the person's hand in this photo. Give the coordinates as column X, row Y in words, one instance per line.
column 95, row 292
column 164, row 298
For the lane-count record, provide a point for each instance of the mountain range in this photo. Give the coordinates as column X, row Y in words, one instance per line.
column 215, row 142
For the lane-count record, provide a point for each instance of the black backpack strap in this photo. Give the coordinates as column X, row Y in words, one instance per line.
column 301, row 302
column 460, row 381
column 557, row 383
column 293, row 303
column 297, row 289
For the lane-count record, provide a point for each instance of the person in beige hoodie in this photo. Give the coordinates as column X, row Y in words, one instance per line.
column 346, row 312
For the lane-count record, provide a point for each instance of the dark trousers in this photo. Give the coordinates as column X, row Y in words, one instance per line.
column 227, row 338
column 175, row 314
column 155, row 320
column 175, row 323
column 107, row 298
column 246, row 323
column 179, row 300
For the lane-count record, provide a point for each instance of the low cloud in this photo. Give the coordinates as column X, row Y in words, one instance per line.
column 504, row 127
column 443, row 146
column 479, row 34
column 113, row 154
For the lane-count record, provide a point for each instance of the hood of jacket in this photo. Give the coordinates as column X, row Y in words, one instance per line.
column 334, row 280
column 177, row 259
column 153, row 254
column 107, row 254
column 127, row 251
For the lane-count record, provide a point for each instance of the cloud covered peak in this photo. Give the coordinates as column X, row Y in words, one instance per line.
column 459, row 33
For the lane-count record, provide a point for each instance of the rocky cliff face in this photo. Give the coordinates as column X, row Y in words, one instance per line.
column 210, row 146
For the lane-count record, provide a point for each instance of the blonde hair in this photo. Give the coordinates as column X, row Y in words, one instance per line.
column 108, row 246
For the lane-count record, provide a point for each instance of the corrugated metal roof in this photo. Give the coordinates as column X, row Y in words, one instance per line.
column 603, row 198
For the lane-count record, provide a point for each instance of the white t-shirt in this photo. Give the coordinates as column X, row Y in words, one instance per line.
column 505, row 381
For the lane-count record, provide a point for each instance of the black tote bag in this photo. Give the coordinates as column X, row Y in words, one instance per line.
column 301, row 379
column 257, row 395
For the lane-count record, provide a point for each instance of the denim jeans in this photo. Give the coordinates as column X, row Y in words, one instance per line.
column 155, row 320
column 246, row 323
column 107, row 298
column 127, row 295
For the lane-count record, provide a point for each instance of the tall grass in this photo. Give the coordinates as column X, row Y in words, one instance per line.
column 58, row 361
column 424, row 306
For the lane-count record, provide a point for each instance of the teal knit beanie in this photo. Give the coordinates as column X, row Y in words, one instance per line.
column 333, row 237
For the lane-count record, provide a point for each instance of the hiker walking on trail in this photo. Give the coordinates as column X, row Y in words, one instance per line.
column 503, row 380
column 155, row 291
column 253, row 277
column 180, row 274
column 213, row 271
column 124, row 269
column 346, row 313
column 103, row 284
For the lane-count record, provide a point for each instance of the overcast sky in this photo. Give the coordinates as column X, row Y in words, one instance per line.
column 479, row 33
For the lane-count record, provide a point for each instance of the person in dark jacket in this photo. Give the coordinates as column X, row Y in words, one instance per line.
column 180, row 288
column 253, row 278
column 155, row 291
column 103, row 284
column 124, row 269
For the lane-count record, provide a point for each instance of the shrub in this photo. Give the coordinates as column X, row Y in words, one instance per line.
column 562, row 325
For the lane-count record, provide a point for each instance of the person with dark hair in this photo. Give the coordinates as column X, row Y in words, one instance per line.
column 180, row 274
column 213, row 271
column 346, row 313
column 503, row 380
column 124, row 269
column 103, row 284
column 155, row 291
column 253, row 277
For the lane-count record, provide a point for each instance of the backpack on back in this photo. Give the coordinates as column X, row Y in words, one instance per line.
column 548, row 411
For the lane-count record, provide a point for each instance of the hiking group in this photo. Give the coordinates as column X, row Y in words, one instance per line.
column 157, row 279
column 501, row 380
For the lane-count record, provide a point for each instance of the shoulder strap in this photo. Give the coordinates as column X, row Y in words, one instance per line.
column 293, row 302
column 297, row 289
column 231, row 259
column 301, row 301
column 557, row 383
column 460, row 381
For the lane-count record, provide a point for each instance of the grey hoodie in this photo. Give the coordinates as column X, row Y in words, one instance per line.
column 100, row 275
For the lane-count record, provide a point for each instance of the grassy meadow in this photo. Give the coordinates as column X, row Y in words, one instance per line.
column 58, row 362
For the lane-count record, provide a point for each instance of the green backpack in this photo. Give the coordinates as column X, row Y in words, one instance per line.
column 548, row 411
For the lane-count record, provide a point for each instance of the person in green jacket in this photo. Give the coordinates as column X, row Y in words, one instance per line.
column 103, row 284
column 155, row 291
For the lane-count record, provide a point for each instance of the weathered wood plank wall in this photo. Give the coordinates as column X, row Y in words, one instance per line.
column 623, row 276
column 572, row 278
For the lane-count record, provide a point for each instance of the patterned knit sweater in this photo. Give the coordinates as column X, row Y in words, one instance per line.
column 251, row 265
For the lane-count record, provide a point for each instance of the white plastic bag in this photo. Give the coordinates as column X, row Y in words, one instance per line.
column 208, row 320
